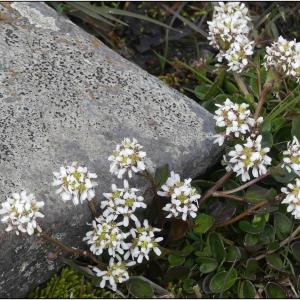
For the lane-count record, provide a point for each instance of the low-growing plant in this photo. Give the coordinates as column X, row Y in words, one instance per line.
column 233, row 233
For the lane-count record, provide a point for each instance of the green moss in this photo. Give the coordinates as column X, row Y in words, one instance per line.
column 70, row 284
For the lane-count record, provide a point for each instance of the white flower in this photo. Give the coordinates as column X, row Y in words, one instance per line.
column 229, row 21
column 127, row 158
column 235, row 118
column 122, row 202
column 75, row 183
column 143, row 242
column 237, row 55
column 228, row 32
column 117, row 272
column 284, row 56
column 20, row 213
column 291, row 159
column 184, row 202
column 293, row 198
column 106, row 235
column 171, row 183
column 249, row 156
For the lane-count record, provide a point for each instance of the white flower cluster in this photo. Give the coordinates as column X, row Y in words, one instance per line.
column 291, row 157
column 116, row 272
column 143, row 242
column 75, row 183
column 284, row 57
column 229, row 31
column 293, row 198
column 106, row 235
column 184, row 198
column 122, row 202
column 20, row 213
column 127, row 158
column 235, row 118
column 248, row 157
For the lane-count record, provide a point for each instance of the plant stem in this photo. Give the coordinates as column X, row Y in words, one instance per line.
column 92, row 208
column 214, row 188
column 292, row 237
column 249, row 183
column 224, row 195
column 244, row 214
column 241, row 84
column 262, row 98
column 71, row 250
column 149, row 176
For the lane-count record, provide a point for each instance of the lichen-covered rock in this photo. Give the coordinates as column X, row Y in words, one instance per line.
column 64, row 96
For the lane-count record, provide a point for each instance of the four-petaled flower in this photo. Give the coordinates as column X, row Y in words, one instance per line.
column 75, row 183
column 127, row 158
column 20, row 213
column 291, row 157
column 293, row 198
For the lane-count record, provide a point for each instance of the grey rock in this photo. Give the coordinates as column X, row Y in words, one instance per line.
column 65, row 96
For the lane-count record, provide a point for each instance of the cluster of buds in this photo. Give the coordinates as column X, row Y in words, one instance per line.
column 228, row 32
column 20, row 213
column 184, row 197
column 236, row 119
column 284, row 57
column 127, row 158
column 247, row 157
column 122, row 202
column 75, row 183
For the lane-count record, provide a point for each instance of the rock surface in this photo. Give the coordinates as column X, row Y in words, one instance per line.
column 64, row 96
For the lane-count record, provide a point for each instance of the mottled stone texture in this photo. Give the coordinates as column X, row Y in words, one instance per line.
column 64, row 96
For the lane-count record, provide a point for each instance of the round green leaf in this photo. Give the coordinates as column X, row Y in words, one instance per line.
column 295, row 247
column 202, row 223
column 283, row 225
column 223, row 281
column 139, row 288
column 274, row 261
column 176, row 260
column 216, row 246
column 246, row 290
column 274, row 291
column 253, row 228
column 207, row 264
column 233, row 254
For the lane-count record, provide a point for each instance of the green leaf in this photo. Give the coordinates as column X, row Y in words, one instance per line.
column 274, row 291
column 207, row 264
column 214, row 89
column 250, row 239
column 275, row 262
column 282, row 175
column 216, row 247
column 253, row 228
column 176, row 260
column 223, row 281
column 139, row 288
column 267, row 139
column 233, row 254
column 188, row 285
column 252, row 267
column 296, row 127
column 230, row 87
column 202, row 223
column 254, row 86
column 201, row 90
column 246, row 290
column 283, row 225
column 176, row 273
column 295, row 247
column 256, row 193
column 268, row 236
column 161, row 175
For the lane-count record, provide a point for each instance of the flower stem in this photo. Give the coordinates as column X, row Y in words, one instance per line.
column 249, row 183
column 70, row 250
column 262, row 98
column 241, row 84
column 216, row 186
column 224, row 195
column 92, row 207
column 244, row 214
